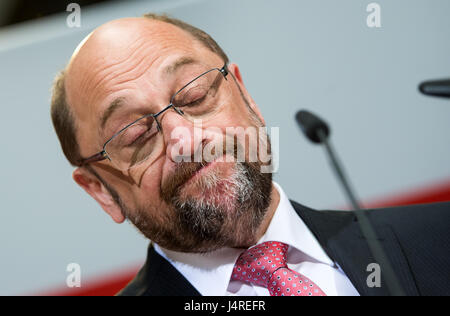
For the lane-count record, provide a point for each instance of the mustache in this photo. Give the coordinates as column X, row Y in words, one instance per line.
column 186, row 170
column 183, row 172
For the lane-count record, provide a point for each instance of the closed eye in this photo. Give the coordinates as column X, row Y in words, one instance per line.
column 195, row 102
column 140, row 138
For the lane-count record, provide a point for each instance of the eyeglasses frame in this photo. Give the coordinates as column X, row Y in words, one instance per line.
column 103, row 155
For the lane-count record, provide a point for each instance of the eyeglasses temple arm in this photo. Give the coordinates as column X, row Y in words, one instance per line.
column 95, row 158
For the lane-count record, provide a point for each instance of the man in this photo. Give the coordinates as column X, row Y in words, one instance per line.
column 128, row 110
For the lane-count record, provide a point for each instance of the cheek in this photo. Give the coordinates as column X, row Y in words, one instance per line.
column 234, row 114
column 239, row 113
column 148, row 184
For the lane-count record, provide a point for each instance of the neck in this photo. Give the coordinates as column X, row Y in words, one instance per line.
column 274, row 202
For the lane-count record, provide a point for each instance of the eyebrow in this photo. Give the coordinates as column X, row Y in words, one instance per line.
column 120, row 102
column 172, row 68
column 113, row 106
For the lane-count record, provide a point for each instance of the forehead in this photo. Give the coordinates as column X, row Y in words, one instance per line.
column 117, row 56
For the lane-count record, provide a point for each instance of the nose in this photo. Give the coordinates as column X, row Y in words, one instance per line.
column 183, row 138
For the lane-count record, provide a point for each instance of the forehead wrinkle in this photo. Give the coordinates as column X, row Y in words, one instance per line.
column 162, row 40
column 117, row 69
column 97, row 68
column 179, row 62
column 119, row 102
column 120, row 84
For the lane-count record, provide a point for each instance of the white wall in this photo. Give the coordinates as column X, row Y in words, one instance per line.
column 314, row 54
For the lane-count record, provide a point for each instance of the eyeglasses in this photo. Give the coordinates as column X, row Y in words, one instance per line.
column 201, row 98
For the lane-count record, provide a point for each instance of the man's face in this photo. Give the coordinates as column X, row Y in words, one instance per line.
column 130, row 68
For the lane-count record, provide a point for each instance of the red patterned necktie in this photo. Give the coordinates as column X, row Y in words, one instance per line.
column 265, row 265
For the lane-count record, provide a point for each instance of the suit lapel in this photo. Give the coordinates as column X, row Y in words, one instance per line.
column 159, row 278
column 339, row 234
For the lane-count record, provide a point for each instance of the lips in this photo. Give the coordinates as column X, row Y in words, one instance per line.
column 201, row 169
column 187, row 179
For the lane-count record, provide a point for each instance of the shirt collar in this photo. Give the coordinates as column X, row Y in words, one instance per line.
column 210, row 273
column 287, row 227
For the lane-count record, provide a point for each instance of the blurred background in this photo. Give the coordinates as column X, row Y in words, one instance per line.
column 319, row 55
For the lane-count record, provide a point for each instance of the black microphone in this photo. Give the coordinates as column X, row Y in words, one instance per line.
column 312, row 126
column 317, row 131
column 436, row 88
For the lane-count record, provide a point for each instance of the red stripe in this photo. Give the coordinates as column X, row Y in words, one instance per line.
column 107, row 285
column 437, row 192
column 111, row 284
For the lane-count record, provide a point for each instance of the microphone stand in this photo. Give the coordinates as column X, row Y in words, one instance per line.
column 338, row 170
column 318, row 131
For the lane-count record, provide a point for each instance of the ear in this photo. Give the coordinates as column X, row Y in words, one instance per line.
column 92, row 185
column 234, row 69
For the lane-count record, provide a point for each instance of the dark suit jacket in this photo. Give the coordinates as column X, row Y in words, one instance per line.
column 416, row 240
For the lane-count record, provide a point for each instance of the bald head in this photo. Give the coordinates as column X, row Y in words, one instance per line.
column 108, row 60
column 111, row 60
column 136, row 88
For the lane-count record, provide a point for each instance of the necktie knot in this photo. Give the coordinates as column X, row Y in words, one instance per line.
column 266, row 265
column 257, row 264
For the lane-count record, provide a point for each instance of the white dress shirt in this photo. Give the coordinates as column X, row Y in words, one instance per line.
column 210, row 273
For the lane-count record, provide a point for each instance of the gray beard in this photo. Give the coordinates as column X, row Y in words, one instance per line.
column 205, row 217
column 204, row 225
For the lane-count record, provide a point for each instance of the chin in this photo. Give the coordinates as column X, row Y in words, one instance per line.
column 218, row 185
